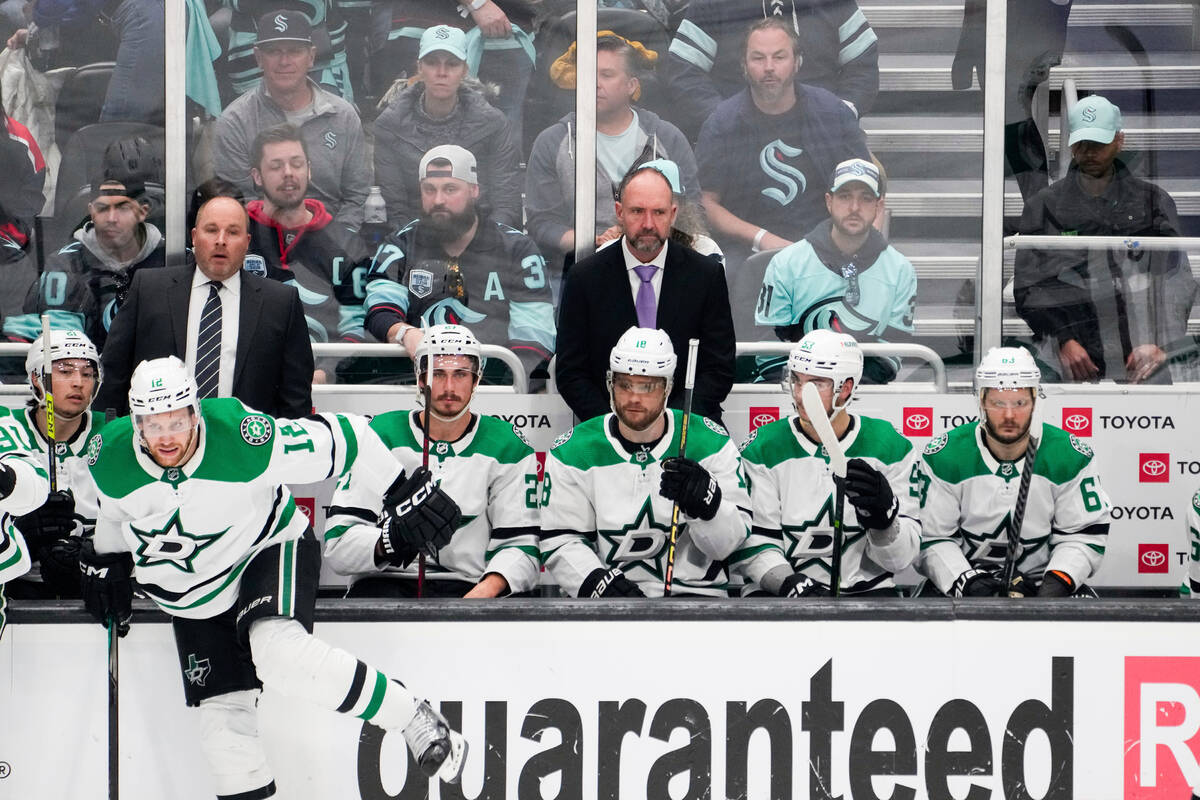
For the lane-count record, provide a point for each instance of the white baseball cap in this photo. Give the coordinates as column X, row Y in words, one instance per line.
column 461, row 164
column 856, row 169
column 443, row 37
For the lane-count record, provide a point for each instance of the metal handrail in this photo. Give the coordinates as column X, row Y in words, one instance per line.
column 520, row 384
column 1025, row 242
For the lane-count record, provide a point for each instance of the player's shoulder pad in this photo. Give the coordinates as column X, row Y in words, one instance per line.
column 879, row 439
column 229, row 415
column 1196, row 501
column 500, row 440
column 1081, row 446
column 393, row 428
column 936, row 444
column 562, row 439
column 1061, row 455
column 749, row 439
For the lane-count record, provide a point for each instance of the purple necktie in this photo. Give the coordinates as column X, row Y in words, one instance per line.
column 647, row 308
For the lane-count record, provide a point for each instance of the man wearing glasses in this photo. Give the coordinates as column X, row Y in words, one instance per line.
column 843, row 275
column 455, row 265
column 970, row 480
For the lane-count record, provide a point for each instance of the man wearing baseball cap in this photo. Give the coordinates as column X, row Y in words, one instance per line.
column 85, row 282
column 1102, row 313
column 456, row 265
column 843, row 275
column 332, row 130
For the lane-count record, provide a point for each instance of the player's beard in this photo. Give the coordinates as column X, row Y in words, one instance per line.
column 447, row 227
column 1006, row 439
column 641, row 419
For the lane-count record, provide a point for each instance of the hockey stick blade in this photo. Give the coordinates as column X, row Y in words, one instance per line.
column 810, row 398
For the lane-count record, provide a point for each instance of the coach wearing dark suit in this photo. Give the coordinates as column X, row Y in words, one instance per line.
column 644, row 280
column 241, row 335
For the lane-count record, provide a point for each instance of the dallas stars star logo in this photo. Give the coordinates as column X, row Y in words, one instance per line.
column 641, row 543
column 991, row 547
column 172, row 545
column 811, row 542
column 197, row 670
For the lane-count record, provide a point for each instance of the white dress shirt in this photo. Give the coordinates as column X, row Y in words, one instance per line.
column 230, row 295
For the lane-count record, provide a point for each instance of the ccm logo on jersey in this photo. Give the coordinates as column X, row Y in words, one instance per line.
column 1077, row 421
column 1162, row 716
column 762, row 415
column 918, row 421
column 1152, row 559
column 1152, row 467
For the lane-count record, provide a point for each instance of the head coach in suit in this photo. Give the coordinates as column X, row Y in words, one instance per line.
column 242, row 335
column 644, row 280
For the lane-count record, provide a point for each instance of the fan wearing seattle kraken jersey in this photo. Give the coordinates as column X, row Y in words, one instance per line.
column 194, row 506
column 843, row 275
column 478, row 459
column 52, row 531
column 610, row 483
column 23, row 488
column 790, row 548
column 455, row 265
column 294, row 239
column 970, row 478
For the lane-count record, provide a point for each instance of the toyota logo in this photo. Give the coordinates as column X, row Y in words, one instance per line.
column 918, row 421
column 1154, row 467
column 761, row 419
column 1076, row 422
column 1153, row 558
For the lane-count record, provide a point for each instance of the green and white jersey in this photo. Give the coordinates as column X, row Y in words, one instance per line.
column 792, row 493
column 491, row 472
column 18, row 452
column 967, row 501
column 71, row 464
column 601, row 509
column 1193, row 524
column 193, row 529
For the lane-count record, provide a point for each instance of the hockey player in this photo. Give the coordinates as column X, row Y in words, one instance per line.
column 1191, row 587
column 194, row 506
column 792, row 491
column 479, row 459
column 23, row 487
column 970, row 478
column 609, row 486
column 52, row 532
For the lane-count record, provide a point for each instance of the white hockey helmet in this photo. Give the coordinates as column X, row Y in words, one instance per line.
column 447, row 340
column 643, row 351
column 63, row 344
column 160, row 385
column 825, row 354
column 1007, row 368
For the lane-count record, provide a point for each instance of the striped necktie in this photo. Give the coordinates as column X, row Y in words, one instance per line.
column 208, row 344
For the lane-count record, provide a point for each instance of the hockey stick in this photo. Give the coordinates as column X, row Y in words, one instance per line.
column 48, row 393
column 1013, row 552
column 427, row 394
column 814, row 409
column 114, row 747
column 689, row 383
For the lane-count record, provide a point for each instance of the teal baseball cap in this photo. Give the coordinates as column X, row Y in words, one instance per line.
column 1094, row 119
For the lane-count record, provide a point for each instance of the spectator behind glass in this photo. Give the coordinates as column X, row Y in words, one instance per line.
column 213, row 187
column 455, row 264
column 438, row 108
column 86, row 281
column 1101, row 313
column 843, row 275
column 625, row 135
column 341, row 172
column 22, row 179
column 499, row 37
column 293, row 240
column 647, row 281
column 837, row 51
column 765, row 153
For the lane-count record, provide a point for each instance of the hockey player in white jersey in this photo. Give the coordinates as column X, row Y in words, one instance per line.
column 194, row 507
column 53, row 531
column 970, row 480
column 792, row 490
column 609, row 485
column 1192, row 584
column 480, row 460
column 23, row 487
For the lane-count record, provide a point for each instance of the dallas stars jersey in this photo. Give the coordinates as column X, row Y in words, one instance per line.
column 29, row 492
column 967, row 500
column 1193, row 523
column 491, row 472
column 601, row 509
column 71, row 464
column 193, row 529
column 792, row 495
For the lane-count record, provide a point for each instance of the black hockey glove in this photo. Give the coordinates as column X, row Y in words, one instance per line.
column 59, row 562
column 870, row 494
column 800, row 585
column 1021, row 587
column 8, row 480
column 55, row 519
column 1056, row 584
column 418, row 515
column 602, row 582
column 690, row 485
column 977, row 583
column 107, row 585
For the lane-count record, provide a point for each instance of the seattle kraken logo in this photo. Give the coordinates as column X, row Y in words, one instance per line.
column 792, row 179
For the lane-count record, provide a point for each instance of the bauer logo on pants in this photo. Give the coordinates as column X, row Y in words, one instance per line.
column 1154, row 467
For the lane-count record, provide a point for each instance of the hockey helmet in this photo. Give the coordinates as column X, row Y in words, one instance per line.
column 63, row 344
column 1007, row 368
column 160, row 385
column 825, row 354
column 448, row 340
column 643, row 351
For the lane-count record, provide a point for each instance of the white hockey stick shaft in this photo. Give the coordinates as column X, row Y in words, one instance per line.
column 818, row 417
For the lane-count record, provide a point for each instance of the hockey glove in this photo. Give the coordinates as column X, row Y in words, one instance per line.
column 60, row 566
column 1021, row 587
column 871, row 495
column 55, row 519
column 977, row 583
column 608, row 583
column 1056, row 583
column 8, row 480
column 689, row 484
column 418, row 515
column 107, row 585
column 800, row 585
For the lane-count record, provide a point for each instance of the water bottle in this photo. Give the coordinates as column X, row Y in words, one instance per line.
column 374, row 227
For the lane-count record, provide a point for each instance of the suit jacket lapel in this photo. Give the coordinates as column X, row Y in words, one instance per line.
column 251, row 311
